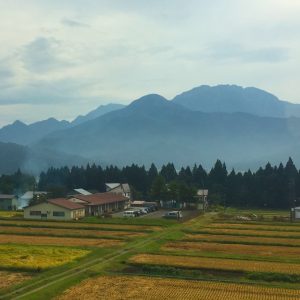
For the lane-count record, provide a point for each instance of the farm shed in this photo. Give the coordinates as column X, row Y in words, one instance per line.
column 100, row 203
column 8, row 202
column 119, row 188
column 55, row 209
column 296, row 213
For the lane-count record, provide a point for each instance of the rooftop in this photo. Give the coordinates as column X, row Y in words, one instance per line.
column 62, row 202
column 101, row 198
column 5, row 196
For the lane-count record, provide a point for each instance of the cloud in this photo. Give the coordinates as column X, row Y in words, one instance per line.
column 43, row 55
column 247, row 54
column 73, row 23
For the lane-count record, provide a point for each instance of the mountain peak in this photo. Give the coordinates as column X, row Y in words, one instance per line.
column 18, row 123
column 150, row 100
column 231, row 99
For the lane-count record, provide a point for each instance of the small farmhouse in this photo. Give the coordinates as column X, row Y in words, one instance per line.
column 100, row 203
column 8, row 202
column 55, row 209
column 295, row 213
column 119, row 188
column 202, row 201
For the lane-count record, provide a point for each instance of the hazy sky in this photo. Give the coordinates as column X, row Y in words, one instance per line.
column 63, row 58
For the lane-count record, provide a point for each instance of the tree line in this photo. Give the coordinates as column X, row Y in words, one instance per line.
column 269, row 187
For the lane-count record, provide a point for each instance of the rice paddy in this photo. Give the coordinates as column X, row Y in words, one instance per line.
column 133, row 287
column 30, row 257
column 216, row 264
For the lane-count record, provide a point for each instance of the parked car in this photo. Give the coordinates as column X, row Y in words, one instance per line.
column 175, row 214
column 130, row 214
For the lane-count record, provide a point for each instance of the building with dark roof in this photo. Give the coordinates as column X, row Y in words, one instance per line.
column 55, row 209
column 8, row 202
column 101, row 203
column 119, row 188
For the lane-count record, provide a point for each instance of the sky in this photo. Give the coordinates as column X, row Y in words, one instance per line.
column 62, row 58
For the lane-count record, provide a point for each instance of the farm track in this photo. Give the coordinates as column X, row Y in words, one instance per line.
column 46, row 282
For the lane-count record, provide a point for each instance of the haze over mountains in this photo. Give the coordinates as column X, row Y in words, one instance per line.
column 244, row 127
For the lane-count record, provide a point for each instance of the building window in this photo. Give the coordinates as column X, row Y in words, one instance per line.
column 35, row 213
column 58, row 214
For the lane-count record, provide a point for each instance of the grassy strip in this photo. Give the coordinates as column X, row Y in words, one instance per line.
column 99, row 220
column 237, row 242
column 209, row 274
column 130, row 221
column 254, row 227
column 237, row 234
column 69, row 236
column 75, row 227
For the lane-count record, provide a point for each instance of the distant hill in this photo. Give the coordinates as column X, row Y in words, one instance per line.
column 13, row 157
column 153, row 129
column 232, row 98
column 246, row 127
column 100, row 111
column 23, row 134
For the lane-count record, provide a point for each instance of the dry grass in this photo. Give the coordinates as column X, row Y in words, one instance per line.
column 61, row 241
column 8, row 279
column 255, row 227
column 80, row 225
column 127, row 288
column 253, row 232
column 256, row 250
column 10, row 214
column 216, row 263
column 37, row 257
column 243, row 239
column 70, row 232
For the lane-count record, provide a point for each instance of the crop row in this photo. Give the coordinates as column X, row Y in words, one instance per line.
column 253, row 232
column 11, row 278
column 236, row 249
column 59, row 241
column 256, row 227
column 216, row 263
column 127, row 287
column 78, row 225
column 243, row 239
column 68, row 232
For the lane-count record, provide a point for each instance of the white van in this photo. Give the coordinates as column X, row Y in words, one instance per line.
column 175, row 214
column 129, row 214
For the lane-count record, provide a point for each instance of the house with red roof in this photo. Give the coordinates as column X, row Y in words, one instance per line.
column 101, row 203
column 55, row 209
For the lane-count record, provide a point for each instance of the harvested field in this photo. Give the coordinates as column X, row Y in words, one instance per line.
column 242, row 239
column 59, row 241
column 68, row 232
column 256, row 250
column 37, row 257
column 216, row 263
column 127, row 287
column 255, row 227
column 8, row 279
column 253, row 232
column 79, row 225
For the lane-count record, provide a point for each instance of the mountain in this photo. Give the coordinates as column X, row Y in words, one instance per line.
column 232, row 98
column 23, row 134
column 100, row 111
column 153, row 129
column 14, row 157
